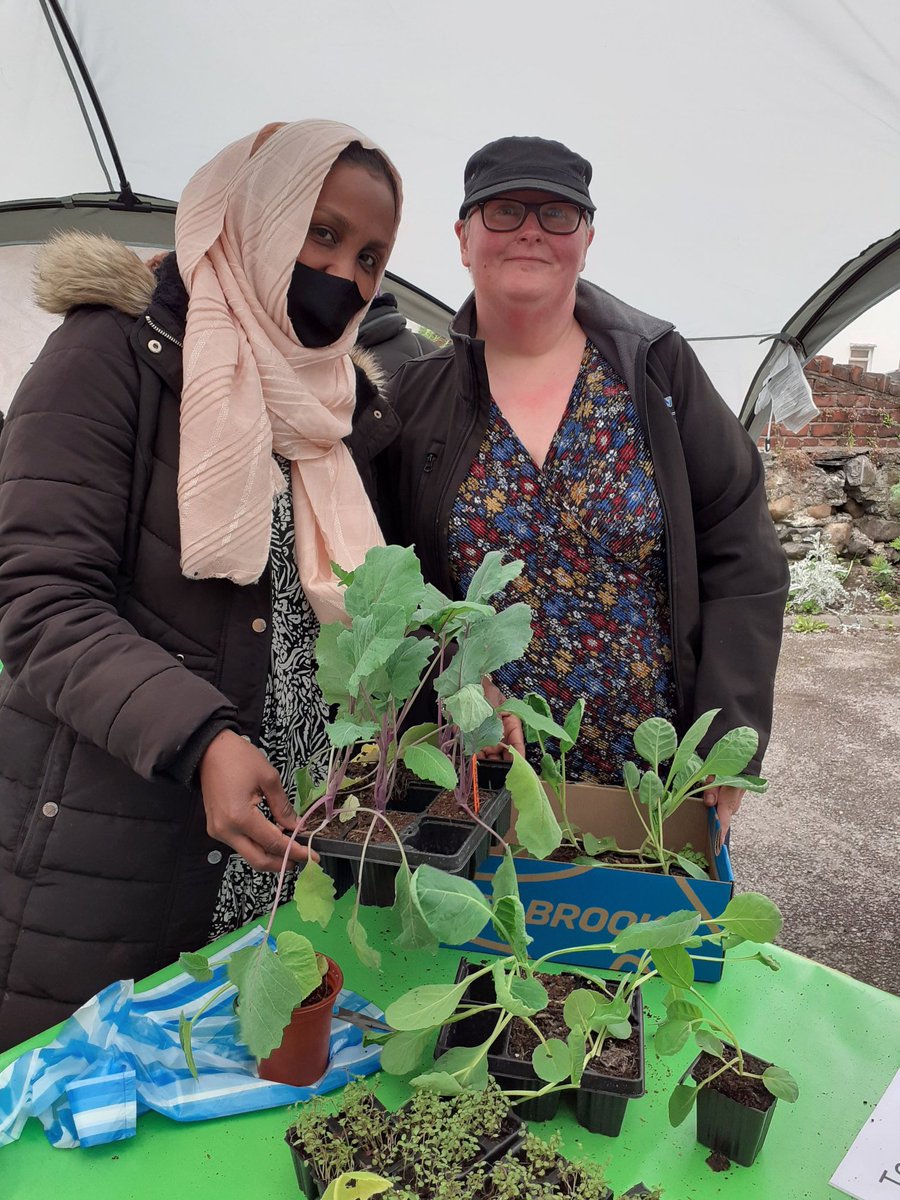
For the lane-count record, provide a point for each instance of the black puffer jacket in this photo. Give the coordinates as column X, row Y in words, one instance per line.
column 118, row 669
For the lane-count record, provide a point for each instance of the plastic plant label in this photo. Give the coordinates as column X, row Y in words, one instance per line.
column 872, row 1164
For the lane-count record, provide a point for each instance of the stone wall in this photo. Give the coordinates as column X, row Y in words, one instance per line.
column 849, row 497
column 859, row 411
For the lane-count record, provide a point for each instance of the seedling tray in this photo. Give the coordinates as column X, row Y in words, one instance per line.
column 600, row 1101
column 457, row 847
column 491, row 1149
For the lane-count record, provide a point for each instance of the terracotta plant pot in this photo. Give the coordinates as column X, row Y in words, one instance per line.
column 302, row 1057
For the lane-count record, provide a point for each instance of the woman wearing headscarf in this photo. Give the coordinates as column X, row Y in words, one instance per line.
column 183, row 462
column 574, row 432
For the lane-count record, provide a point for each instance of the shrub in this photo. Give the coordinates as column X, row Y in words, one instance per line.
column 817, row 582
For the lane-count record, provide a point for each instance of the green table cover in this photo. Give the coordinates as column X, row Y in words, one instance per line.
column 839, row 1037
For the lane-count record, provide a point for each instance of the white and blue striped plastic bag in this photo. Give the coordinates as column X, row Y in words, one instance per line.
column 120, row 1055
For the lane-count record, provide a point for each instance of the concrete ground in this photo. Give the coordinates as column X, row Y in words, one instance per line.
column 824, row 841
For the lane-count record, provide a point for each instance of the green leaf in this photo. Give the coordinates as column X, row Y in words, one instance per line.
column 572, row 726
column 578, row 1009
column 342, row 576
column 535, row 720
column 425, row 1006
column 490, row 643
column 521, row 997
column 670, row 1036
column 670, row 930
column 425, row 733
column 431, row 606
column 196, row 965
column 651, row 788
column 655, row 740
column 748, row 783
column 537, row 704
column 389, row 575
column 467, row 1064
column 680, row 781
column 185, row 1029
column 298, row 955
column 708, row 1041
column 306, row 792
column 414, row 932
column 751, row 916
column 267, row 995
column 508, row 917
column 575, row 1043
column 357, row 1185
column 594, row 845
column 551, row 771
column 768, row 961
column 688, row 864
column 404, row 1051
column 314, row 894
column 613, row 1016
column 371, row 640
column 442, row 1083
column 781, row 1084
column 468, row 708
column 683, row 1010
column 345, row 731
column 691, row 740
column 488, row 733
column 536, row 826
column 674, row 965
column 402, row 673
column 492, row 576
column 452, row 907
column 431, row 764
column 631, row 776
column 552, row 1061
column 334, row 663
column 359, row 940
column 681, row 1102
column 505, row 881
column 732, row 752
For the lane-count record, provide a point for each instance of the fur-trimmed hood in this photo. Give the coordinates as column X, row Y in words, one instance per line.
column 75, row 269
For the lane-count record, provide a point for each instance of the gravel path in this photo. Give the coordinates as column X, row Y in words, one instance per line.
column 824, row 841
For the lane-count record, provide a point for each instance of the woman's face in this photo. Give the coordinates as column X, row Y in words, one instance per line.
column 527, row 264
column 352, row 227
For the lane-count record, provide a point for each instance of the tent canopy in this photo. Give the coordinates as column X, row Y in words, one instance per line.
column 743, row 152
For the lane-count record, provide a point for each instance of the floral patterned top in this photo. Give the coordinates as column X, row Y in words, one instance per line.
column 294, row 715
column 589, row 527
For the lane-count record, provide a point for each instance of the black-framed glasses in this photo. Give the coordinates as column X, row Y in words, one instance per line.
column 554, row 216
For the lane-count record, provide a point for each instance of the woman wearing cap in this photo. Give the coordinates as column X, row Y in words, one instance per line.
column 173, row 487
column 582, row 436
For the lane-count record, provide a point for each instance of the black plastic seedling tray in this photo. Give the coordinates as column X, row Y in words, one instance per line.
column 600, row 1101
column 491, row 1149
column 454, row 846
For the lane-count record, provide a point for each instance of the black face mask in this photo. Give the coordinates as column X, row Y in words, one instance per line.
column 320, row 306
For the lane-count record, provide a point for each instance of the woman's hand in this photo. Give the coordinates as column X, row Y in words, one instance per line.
column 234, row 777
column 513, row 734
column 726, row 800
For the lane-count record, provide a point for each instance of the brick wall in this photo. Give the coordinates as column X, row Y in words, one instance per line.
column 858, row 409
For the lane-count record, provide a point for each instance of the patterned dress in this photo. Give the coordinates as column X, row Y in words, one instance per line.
column 589, row 527
column 294, row 715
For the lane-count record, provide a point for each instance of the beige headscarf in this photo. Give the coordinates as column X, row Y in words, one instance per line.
column 249, row 386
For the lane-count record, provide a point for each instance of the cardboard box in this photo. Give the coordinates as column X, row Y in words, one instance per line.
column 567, row 904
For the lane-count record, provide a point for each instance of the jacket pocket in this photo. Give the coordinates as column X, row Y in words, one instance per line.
column 427, row 474
column 47, row 804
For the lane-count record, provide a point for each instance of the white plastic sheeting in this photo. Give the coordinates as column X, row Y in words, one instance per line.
column 742, row 149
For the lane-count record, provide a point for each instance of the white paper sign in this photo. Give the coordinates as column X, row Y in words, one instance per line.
column 787, row 389
column 871, row 1167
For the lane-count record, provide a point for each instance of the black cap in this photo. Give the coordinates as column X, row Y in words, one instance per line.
column 512, row 163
